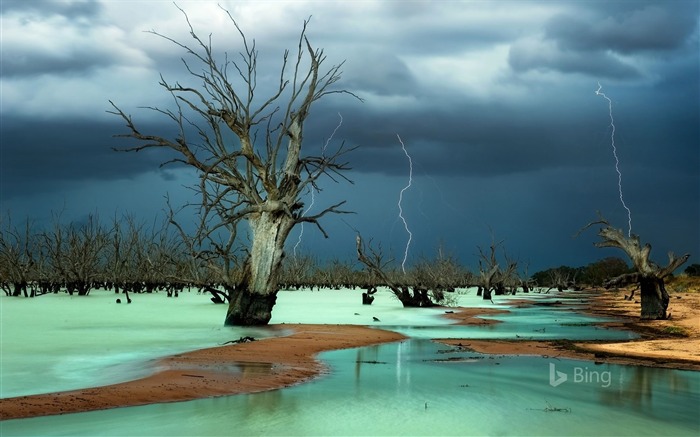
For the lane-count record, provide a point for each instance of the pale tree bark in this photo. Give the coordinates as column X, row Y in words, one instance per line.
column 247, row 151
column 649, row 275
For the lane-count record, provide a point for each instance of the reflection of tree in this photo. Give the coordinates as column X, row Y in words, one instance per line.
column 639, row 390
column 405, row 352
column 365, row 355
column 400, row 370
column 260, row 406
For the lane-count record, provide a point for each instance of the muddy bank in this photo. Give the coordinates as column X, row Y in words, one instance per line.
column 250, row 367
column 673, row 343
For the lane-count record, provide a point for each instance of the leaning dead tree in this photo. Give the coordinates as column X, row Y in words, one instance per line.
column 647, row 274
column 247, row 152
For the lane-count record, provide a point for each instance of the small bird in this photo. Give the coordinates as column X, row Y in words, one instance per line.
column 376, row 319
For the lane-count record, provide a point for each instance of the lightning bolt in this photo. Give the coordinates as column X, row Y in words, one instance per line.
column 312, row 189
column 405, row 225
column 598, row 92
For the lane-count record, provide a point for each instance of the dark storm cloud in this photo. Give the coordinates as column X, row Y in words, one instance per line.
column 478, row 139
column 67, row 62
column 380, row 72
column 84, row 9
column 42, row 156
column 494, row 101
column 642, row 28
column 593, row 39
column 524, row 57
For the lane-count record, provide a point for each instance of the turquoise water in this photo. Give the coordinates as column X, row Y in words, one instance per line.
column 527, row 323
column 414, row 387
column 418, row 387
column 61, row 342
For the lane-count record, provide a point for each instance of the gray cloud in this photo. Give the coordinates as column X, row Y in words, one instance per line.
column 44, row 156
column 62, row 63
column 641, row 28
column 600, row 39
column 380, row 72
column 525, row 56
column 73, row 8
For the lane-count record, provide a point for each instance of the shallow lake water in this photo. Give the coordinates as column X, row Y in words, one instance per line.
column 414, row 387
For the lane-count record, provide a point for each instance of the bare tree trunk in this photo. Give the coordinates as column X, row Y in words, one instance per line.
column 486, row 295
column 654, row 298
column 419, row 298
column 252, row 302
column 367, row 296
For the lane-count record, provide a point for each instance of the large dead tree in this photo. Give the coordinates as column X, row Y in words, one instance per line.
column 647, row 274
column 247, row 152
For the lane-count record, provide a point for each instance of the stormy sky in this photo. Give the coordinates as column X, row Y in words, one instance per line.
column 494, row 100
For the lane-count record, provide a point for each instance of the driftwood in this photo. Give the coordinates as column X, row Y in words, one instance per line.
column 245, row 339
column 550, row 409
column 218, row 296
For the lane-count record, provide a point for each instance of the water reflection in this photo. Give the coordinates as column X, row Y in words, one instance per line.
column 366, row 356
column 418, row 387
column 650, row 390
column 402, row 374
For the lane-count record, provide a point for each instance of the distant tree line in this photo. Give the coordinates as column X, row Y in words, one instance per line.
column 126, row 256
column 692, row 270
column 595, row 274
column 79, row 257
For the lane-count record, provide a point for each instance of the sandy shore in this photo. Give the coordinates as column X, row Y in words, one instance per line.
column 676, row 340
column 673, row 343
column 233, row 369
column 469, row 316
column 283, row 361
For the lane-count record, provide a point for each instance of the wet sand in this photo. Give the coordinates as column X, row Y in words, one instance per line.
column 673, row 343
column 280, row 362
column 250, row 367
column 469, row 316
column 676, row 340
